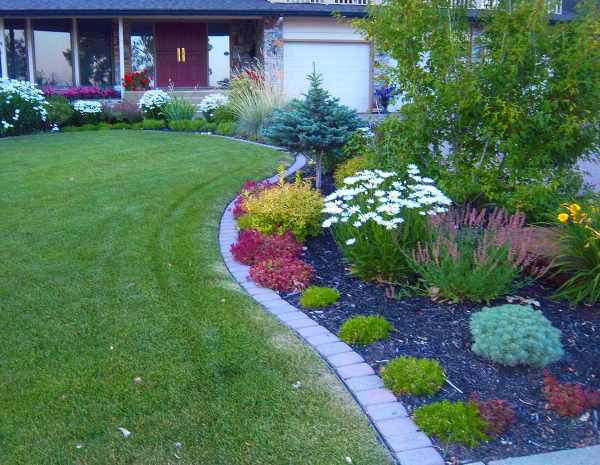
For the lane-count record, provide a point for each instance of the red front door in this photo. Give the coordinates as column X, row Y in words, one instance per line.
column 181, row 54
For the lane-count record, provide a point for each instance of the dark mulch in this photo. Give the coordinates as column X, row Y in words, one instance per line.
column 439, row 330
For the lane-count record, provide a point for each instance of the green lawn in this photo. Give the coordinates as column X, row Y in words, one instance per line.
column 109, row 270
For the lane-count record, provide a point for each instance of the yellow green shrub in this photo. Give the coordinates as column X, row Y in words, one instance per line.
column 349, row 168
column 295, row 207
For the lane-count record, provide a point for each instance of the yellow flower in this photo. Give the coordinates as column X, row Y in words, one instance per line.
column 574, row 207
column 563, row 217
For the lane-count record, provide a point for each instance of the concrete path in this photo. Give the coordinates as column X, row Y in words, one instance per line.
column 583, row 456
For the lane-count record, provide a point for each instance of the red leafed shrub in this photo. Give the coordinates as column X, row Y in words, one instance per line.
column 498, row 414
column 245, row 249
column 253, row 247
column 568, row 399
column 249, row 188
column 282, row 274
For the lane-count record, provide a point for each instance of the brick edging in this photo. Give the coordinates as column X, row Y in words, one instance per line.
column 398, row 433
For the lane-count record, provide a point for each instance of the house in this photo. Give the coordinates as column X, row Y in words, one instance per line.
column 193, row 45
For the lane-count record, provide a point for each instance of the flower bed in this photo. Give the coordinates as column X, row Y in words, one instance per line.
column 82, row 92
column 428, row 329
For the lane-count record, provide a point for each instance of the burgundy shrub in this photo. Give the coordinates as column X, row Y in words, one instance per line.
column 282, row 274
column 81, row 92
column 497, row 414
column 568, row 399
column 253, row 246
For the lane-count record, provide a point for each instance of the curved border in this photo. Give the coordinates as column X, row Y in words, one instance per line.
column 398, row 433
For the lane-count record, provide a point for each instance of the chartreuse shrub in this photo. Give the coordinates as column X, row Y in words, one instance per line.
column 295, row 207
column 179, row 109
column 226, row 128
column 515, row 335
column 578, row 253
column 452, row 422
column 349, row 168
column 378, row 218
column 364, row 330
column 315, row 297
column 414, row 376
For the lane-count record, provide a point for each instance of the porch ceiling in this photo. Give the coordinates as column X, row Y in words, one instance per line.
column 172, row 8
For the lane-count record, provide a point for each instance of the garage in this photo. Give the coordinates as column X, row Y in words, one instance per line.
column 335, row 50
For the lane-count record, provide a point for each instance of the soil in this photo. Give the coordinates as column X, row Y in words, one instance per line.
column 424, row 328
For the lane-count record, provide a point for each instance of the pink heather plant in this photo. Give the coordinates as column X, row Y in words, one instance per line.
column 475, row 255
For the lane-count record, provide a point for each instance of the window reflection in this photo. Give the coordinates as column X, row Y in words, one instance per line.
column 142, row 48
column 52, row 47
column 219, row 67
column 95, row 52
column 16, row 49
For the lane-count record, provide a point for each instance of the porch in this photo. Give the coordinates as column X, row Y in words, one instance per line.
column 191, row 54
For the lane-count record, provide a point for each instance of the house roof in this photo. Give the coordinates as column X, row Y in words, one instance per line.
column 172, row 7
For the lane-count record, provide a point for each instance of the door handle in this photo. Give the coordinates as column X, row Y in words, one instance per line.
column 179, row 55
column 183, row 54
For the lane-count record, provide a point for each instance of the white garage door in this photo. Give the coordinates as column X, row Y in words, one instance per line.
column 345, row 69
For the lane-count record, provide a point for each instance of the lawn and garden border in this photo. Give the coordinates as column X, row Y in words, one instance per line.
column 397, row 432
column 389, row 418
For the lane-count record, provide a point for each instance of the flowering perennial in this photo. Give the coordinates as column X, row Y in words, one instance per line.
column 153, row 100
column 382, row 197
column 16, row 97
column 211, row 102
column 87, row 107
column 81, row 92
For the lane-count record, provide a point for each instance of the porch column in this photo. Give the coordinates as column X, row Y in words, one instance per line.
column 121, row 56
column 3, row 60
column 29, row 46
column 75, row 51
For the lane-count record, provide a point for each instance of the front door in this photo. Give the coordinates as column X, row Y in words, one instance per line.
column 181, row 54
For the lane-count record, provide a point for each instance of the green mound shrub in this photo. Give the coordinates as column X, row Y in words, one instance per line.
column 60, row 111
column 90, row 127
column 515, row 335
column 104, row 126
column 364, row 330
column 226, row 128
column 316, row 296
column 180, row 125
column 452, row 422
column 153, row 124
column 122, row 126
column 414, row 376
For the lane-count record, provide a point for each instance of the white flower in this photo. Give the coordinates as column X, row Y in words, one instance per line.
column 351, row 241
column 153, row 100
column 87, row 107
column 212, row 102
column 25, row 91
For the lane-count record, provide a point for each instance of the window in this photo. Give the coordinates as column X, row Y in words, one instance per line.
column 142, row 48
column 53, row 52
column 95, row 52
column 16, row 49
column 219, row 67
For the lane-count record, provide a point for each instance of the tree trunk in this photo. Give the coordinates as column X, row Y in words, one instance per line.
column 319, row 169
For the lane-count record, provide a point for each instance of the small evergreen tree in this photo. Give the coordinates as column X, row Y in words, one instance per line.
column 317, row 125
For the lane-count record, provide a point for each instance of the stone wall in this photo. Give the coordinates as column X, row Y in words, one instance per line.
column 273, row 49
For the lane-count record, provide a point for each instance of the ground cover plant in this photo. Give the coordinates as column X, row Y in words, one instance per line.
column 116, row 311
column 452, row 422
column 364, row 330
column 414, row 376
column 316, row 297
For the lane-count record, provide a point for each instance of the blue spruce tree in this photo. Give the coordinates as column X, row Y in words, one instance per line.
column 317, row 126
